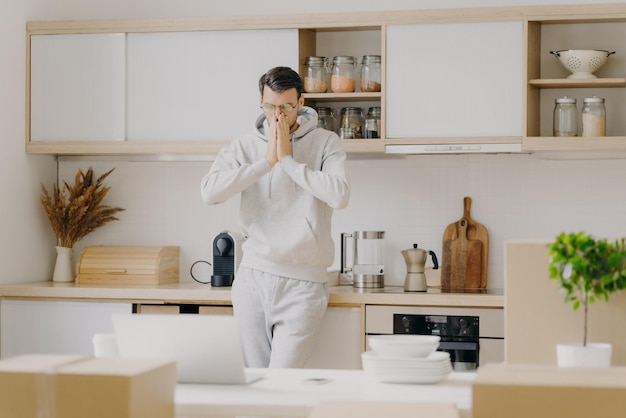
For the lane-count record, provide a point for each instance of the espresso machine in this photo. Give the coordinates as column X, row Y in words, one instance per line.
column 415, row 259
column 367, row 269
column 226, row 258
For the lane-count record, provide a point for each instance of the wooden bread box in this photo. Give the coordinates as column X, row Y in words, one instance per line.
column 128, row 265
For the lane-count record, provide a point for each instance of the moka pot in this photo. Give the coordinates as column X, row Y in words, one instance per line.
column 415, row 259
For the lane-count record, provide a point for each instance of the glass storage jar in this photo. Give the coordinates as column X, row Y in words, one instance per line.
column 565, row 117
column 316, row 77
column 352, row 117
column 372, row 123
column 594, row 116
column 370, row 73
column 326, row 118
column 343, row 77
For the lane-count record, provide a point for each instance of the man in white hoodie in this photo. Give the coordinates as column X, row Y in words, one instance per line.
column 291, row 177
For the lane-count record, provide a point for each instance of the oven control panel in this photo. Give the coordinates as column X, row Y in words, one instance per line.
column 442, row 325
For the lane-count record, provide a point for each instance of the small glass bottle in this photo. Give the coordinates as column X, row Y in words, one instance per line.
column 316, row 77
column 326, row 118
column 343, row 78
column 346, row 133
column 372, row 123
column 352, row 117
column 370, row 73
column 594, row 116
column 565, row 117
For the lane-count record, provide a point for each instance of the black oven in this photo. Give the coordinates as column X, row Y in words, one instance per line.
column 459, row 335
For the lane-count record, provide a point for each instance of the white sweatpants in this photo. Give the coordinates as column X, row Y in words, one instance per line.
column 277, row 317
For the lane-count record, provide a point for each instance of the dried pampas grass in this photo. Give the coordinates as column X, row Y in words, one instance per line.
column 75, row 211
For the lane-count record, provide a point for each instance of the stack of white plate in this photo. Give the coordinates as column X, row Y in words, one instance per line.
column 406, row 359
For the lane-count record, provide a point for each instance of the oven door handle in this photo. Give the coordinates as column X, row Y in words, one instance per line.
column 458, row 345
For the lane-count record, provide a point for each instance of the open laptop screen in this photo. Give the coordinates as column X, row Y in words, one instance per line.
column 206, row 348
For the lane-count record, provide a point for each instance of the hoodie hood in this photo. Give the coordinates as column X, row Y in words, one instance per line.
column 307, row 121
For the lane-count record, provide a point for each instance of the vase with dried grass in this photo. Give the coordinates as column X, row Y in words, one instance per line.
column 73, row 212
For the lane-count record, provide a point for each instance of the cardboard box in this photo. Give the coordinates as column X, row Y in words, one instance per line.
column 27, row 384
column 116, row 387
column 128, row 265
column 516, row 391
column 58, row 386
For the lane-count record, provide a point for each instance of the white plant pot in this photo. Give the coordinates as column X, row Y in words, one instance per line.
column 577, row 355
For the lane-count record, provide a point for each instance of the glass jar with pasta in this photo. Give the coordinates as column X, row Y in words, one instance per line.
column 352, row 118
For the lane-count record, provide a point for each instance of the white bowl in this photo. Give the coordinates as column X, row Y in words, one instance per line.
column 582, row 62
column 432, row 369
column 402, row 345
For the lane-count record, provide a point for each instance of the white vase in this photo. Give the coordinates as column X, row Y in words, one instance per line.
column 63, row 271
column 590, row 355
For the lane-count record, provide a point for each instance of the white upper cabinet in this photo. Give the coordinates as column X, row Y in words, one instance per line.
column 455, row 80
column 203, row 85
column 77, row 86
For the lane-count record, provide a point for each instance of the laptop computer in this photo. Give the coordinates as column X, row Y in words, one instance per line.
column 206, row 348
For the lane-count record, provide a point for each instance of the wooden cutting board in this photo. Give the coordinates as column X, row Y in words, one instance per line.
column 465, row 253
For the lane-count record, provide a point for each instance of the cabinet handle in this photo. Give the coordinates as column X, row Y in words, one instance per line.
column 116, row 271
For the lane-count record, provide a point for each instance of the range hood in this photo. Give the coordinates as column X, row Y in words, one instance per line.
column 452, row 148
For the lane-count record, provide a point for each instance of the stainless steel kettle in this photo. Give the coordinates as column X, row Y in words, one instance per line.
column 415, row 259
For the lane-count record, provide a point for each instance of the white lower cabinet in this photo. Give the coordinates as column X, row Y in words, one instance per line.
column 51, row 327
column 338, row 343
column 56, row 327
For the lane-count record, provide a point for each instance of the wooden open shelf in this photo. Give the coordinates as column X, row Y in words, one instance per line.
column 578, row 144
column 561, row 83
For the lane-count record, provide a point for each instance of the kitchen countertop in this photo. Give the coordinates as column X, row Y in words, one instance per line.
column 196, row 293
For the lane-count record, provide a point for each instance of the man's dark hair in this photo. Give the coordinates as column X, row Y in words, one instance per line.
column 280, row 79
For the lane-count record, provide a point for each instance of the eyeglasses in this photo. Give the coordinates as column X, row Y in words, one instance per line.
column 270, row 108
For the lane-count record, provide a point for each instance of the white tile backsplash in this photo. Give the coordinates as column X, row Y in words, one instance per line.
column 413, row 199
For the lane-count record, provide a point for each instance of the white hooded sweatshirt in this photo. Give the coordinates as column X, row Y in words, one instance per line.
column 286, row 210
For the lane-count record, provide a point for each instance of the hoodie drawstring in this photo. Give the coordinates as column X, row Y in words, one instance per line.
column 269, row 184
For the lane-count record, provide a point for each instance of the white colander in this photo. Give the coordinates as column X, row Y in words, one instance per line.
column 582, row 62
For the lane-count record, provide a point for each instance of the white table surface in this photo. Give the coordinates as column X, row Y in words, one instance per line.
column 288, row 392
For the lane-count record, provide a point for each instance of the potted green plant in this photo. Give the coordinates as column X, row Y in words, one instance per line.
column 588, row 270
column 73, row 212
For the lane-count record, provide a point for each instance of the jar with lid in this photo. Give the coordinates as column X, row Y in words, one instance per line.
column 343, row 77
column 316, row 77
column 594, row 116
column 565, row 117
column 372, row 123
column 370, row 73
column 352, row 117
column 326, row 118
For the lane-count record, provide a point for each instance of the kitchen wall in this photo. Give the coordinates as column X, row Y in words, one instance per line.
column 413, row 199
